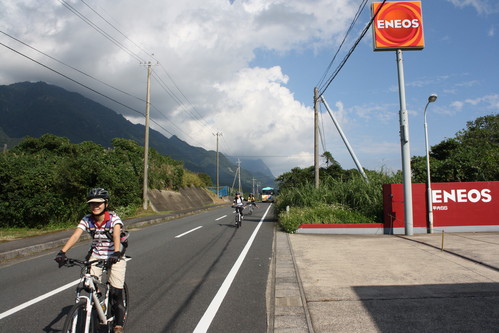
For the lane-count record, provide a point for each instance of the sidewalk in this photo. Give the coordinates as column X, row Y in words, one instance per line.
column 386, row 283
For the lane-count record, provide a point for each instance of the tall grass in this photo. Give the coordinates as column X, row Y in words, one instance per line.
column 359, row 201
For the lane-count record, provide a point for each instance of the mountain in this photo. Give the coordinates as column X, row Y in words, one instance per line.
column 34, row 109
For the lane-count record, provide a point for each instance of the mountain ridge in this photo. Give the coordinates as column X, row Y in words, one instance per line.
column 34, row 109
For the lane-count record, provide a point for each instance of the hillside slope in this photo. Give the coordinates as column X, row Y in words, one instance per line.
column 34, row 109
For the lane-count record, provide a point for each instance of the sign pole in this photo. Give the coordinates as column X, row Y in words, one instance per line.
column 406, row 153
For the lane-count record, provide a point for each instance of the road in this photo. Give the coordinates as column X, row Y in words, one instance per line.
column 177, row 269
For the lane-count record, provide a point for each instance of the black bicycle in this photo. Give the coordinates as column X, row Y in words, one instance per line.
column 238, row 217
column 93, row 311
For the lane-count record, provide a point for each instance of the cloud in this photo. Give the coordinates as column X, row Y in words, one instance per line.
column 491, row 32
column 202, row 82
column 481, row 6
column 489, row 102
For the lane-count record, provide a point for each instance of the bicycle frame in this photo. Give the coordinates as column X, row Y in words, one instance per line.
column 88, row 282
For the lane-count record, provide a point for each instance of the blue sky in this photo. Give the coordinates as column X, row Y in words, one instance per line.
column 247, row 68
column 459, row 63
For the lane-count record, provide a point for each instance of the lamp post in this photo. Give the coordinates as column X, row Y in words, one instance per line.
column 431, row 99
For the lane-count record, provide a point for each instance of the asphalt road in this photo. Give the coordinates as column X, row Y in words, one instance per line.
column 177, row 269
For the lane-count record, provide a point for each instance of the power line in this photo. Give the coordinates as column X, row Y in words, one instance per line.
column 192, row 110
column 73, row 80
column 115, row 28
column 338, row 69
column 81, row 84
column 99, row 30
column 356, row 17
column 71, row 67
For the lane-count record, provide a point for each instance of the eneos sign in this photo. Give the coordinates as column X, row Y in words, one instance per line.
column 463, row 207
column 397, row 25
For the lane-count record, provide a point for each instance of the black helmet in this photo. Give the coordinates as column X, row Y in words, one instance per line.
column 98, row 195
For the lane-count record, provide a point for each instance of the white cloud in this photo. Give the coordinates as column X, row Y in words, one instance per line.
column 491, row 32
column 481, row 6
column 204, row 82
column 488, row 102
column 205, row 46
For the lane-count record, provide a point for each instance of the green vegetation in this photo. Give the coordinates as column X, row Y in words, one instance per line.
column 472, row 156
column 45, row 181
column 347, row 199
column 344, row 197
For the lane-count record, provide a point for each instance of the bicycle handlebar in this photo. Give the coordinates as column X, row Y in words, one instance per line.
column 70, row 262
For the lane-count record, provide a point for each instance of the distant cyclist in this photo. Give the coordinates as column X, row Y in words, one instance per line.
column 238, row 204
column 105, row 229
column 252, row 200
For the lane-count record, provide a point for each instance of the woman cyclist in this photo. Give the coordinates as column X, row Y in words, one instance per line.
column 238, row 204
column 105, row 229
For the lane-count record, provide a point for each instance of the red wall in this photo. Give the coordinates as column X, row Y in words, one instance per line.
column 454, row 204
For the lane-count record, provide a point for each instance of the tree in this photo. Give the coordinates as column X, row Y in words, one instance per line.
column 329, row 158
column 473, row 155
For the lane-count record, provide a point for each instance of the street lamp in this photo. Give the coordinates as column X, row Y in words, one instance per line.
column 431, row 99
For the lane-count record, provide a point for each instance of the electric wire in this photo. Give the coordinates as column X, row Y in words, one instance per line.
column 354, row 21
column 137, row 57
column 115, row 28
column 169, row 91
column 199, row 117
column 79, row 83
column 191, row 110
column 72, row 80
column 100, row 31
column 323, row 89
column 71, row 67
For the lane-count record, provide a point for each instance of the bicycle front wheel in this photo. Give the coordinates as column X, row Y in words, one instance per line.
column 76, row 320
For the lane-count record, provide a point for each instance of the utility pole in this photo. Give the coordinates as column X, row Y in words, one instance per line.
column 406, row 153
column 145, row 198
column 218, row 166
column 316, row 136
column 239, row 174
column 253, row 187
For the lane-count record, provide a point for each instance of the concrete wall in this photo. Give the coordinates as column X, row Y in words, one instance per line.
column 186, row 198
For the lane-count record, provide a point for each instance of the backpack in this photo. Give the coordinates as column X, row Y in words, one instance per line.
column 107, row 227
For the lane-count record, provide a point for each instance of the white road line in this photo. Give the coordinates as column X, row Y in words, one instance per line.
column 212, row 310
column 221, row 218
column 38, row 299
column 185, row 233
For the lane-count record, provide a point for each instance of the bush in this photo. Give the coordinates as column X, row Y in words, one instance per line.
column 320, row 214
column 45, row 181
column 350, row 200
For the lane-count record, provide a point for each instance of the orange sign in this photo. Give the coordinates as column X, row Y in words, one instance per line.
column 398, row 25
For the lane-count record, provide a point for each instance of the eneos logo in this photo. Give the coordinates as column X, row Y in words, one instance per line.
column 397, row 25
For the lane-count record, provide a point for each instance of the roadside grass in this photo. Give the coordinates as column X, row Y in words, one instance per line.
column 9, row 234
column 335, row 201
column 320, row 214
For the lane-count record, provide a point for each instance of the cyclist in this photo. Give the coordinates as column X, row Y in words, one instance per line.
column 106, row 244
column 252, row 200
column 238, row 204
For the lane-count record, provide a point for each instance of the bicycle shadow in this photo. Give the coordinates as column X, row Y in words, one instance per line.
column 232, row 225
column 62, row 315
